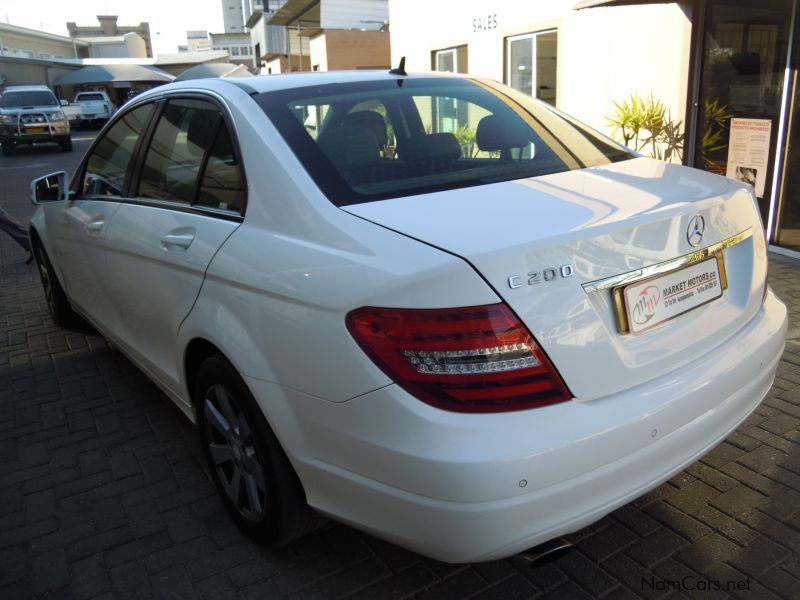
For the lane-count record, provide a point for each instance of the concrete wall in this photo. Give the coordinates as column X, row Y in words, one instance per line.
column 354, row 14
column 280, row 64
column 30, row 72
column 340, row 49
column 603, row 54
column 130, row 46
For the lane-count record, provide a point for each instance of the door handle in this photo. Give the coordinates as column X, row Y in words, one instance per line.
column 178, row 238
column 96, row 224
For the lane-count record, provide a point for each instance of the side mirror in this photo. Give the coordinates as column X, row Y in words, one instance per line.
column 64, row 102
column 50, row 188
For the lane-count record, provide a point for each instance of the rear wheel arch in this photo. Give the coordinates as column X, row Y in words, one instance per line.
column 288, row 515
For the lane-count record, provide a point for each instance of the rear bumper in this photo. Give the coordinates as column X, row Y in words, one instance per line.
column 466, row 488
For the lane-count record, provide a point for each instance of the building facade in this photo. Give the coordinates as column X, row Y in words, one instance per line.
column 237, row 45
column 233, row 19
column 723, row 71
column 30, row 43
column 324, row 35
column 108, row 27
column 197, row 41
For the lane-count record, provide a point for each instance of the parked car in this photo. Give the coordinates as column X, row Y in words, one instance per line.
column 72, row 112
column 96, row 108
column 31, row 114
column 467, row 347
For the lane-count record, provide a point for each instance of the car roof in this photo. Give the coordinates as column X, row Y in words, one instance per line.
column 270, row 83
column 27, row 88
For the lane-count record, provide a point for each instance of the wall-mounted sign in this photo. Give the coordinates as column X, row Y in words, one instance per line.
column 485, row 23
column 748, row 152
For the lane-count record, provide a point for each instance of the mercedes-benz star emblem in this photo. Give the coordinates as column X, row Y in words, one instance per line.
column 694, row 233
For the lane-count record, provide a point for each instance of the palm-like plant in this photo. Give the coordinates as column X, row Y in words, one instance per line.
column 645, row 122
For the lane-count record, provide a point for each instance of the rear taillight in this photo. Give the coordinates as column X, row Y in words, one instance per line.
column 105, row 107
column 471, row 359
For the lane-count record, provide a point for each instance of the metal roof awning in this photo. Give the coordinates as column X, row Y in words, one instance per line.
column 211, row 70
column 296, row 10
column 114, row 73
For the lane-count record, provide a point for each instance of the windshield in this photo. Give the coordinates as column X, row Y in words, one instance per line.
column 84, row 97
column 369, row 141
column 18, row 99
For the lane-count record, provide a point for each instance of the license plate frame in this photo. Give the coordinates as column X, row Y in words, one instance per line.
column 35, row 130
column 622, row 305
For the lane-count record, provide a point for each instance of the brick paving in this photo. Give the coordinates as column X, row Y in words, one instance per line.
column 103, row 493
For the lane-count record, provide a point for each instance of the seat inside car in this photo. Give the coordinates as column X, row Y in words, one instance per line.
column 500, row 134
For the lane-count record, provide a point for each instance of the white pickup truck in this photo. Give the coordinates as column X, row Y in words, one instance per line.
column 96, row 107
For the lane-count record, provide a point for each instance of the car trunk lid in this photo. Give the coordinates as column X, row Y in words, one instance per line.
column 556, row 247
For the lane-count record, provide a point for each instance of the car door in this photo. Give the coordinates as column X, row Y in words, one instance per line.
column 188, row 198
column 78, row 227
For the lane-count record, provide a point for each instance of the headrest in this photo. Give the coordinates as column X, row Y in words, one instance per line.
column 372, row 120
column 434, row 146
column 349, row 147
column 500, row 133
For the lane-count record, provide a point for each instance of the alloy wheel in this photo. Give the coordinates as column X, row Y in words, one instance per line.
column 47, row 282
column 233, row 453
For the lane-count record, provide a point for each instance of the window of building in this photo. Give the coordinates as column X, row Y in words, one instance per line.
column 235, row 51
column 109, row 161
column 450, row 60
column 531, row 61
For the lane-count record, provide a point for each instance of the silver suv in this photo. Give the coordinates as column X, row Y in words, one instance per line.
column 31, row 114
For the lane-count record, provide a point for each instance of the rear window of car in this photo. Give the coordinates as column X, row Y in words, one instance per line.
column 368, row 141
column 84, row 97
column 17, row 99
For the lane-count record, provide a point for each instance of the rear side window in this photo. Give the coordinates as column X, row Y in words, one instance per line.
column 221, row 186
column 110, row 159
column 190, row 159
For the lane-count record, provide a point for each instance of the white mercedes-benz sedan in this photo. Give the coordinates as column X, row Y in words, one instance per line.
column 427, row 305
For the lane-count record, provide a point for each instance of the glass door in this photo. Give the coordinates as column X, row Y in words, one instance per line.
column 741, row 88
column 787, row 225
column 531, row 64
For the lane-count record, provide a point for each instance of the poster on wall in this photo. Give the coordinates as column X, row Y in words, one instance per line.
column 748, row 152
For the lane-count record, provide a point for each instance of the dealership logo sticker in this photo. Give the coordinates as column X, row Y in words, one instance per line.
column 646, row 304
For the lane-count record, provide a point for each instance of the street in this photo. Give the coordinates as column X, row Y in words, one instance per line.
column 104, row 493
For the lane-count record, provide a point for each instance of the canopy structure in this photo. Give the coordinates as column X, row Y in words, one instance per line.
column 99, row 74
column 209, row 70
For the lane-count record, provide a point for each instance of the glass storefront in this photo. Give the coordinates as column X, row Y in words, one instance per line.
column 742, row 75
column 787, row 225
column 531, row 64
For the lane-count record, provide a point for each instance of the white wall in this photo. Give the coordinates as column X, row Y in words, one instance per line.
column 603, row 58
column 351, row 14
column 319, row 52
column 604, row 54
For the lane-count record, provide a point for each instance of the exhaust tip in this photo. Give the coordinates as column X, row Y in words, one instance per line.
column 545, row 553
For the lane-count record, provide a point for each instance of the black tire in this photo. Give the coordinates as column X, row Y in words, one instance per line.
column 66, row 144
column 57, row 302
column 8, row 148
column 251, row 472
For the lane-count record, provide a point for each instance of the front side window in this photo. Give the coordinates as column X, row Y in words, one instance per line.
column 381, row 140
column 190, row 159
column 110, row 160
